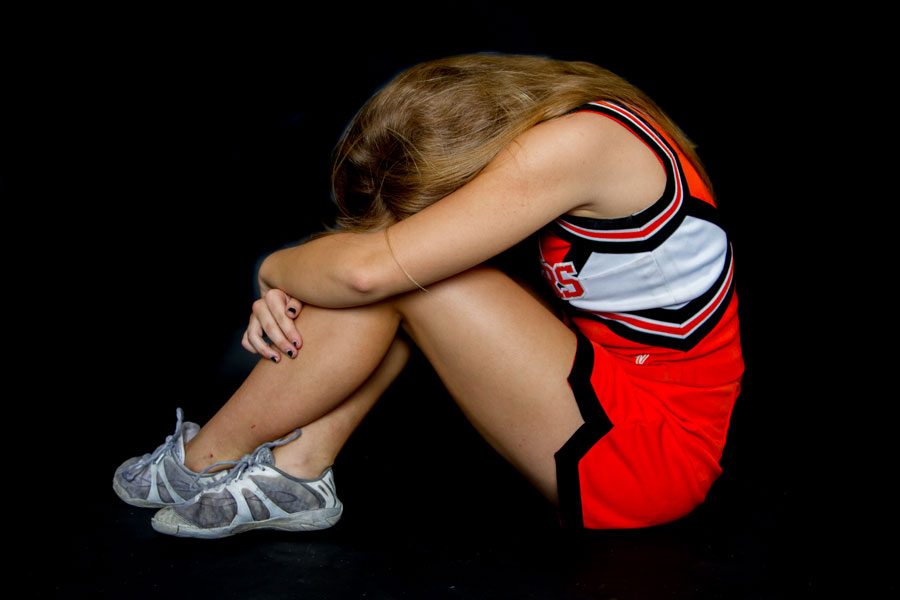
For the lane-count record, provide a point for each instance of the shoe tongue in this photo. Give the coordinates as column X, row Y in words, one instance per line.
column 188, row 430
column 264, row 456
column 179, row 449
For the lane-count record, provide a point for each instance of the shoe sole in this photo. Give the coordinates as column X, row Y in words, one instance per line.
column 120, row 492
column 310, row 520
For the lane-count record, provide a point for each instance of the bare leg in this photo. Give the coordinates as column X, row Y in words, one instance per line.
column 341, row 350
column 322, row 439
column 503, row 356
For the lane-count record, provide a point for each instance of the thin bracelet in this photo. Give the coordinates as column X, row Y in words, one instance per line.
column 405, row 272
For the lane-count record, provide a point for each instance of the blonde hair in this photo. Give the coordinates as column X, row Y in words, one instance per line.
column 436, row 125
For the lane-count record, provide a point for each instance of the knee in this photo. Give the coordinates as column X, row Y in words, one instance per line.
column 477, row 276
column 467, row 284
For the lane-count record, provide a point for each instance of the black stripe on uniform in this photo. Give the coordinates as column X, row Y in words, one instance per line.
column 596, row 425
column 703, row 210
column 653, row 339
column 630, row 247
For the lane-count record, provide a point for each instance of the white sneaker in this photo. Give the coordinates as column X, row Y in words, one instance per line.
column 255, row 494
column 161, row 479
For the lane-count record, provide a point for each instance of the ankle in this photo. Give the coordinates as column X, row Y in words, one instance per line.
column 303, row 467
column 196, row 459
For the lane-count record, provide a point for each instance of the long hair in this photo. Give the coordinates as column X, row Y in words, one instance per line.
column 436, row 125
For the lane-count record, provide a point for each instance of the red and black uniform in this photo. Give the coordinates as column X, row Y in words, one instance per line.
column 658, row 365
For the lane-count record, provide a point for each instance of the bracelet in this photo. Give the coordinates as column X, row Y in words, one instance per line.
column 405, row 272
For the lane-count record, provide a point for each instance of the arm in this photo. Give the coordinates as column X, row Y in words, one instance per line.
column 552, row 168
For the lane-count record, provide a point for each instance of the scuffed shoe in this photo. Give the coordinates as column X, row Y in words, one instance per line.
column 161, row 479
column 255, row 495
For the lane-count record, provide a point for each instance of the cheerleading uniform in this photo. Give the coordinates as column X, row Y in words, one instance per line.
column 658, row 362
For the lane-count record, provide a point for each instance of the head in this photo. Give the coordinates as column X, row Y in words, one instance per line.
column 436, row 125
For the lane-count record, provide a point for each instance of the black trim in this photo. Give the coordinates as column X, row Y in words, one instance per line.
column 704, row 211
column 662, row 341
column 596, row 425
column 580, row 380
column 578, row 254
column 567, row 477
column 630, row 247
column 636, row 220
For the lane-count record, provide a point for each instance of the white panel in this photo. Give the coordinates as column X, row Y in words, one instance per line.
column 680, row 269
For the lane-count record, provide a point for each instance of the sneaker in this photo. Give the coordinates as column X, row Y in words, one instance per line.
column 255, row 495
column 161, row 479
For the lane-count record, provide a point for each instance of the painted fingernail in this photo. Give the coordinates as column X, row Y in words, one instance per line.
column 274, row 360
column 292, row 310
column 291, row 353
column 296, row 344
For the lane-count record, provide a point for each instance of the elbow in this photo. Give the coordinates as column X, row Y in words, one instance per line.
column 365, row 279
column 360, row 280
column 368, row 271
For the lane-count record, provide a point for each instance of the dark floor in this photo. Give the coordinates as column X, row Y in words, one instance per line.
column 387, row 550
column 450, row 521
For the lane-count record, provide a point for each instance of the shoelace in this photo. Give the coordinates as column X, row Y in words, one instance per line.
column 132, row 471
column 248, row 460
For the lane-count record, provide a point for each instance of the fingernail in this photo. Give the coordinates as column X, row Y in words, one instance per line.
column 296, row 344
column 292, row 310
column 274, row 360
column 291, row 353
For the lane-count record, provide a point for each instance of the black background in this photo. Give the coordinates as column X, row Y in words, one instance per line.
column 158, row 159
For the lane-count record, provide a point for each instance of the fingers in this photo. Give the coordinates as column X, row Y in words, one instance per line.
column 280, row 306
column 273, row 318
column 293, row 307
column 245, row 342
column 254, row 340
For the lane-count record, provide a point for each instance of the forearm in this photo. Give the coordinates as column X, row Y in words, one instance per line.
column 333, row 271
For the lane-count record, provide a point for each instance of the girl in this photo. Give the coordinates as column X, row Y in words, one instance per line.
column 614, row 400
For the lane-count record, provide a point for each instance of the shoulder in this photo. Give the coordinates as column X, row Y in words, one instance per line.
column 616, row 172
column 585, row 129
column 577, row 136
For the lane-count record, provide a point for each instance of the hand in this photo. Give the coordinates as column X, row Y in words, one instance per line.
column 273, row 315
